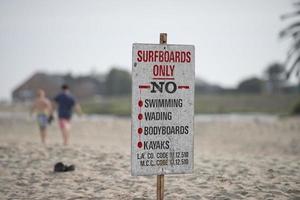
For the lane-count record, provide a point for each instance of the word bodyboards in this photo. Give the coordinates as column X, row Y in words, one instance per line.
column 163, row 79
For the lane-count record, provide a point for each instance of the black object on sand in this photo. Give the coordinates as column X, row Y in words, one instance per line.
column 60, row 167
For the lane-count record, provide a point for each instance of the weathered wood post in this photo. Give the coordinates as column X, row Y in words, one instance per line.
column 160, row 178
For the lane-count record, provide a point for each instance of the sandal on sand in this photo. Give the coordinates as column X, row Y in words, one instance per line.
column 60, row 167
column 70, row 168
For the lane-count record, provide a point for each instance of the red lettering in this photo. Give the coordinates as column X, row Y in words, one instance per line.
column 188, row 56
column 167, row 56
column 164, row 56
column 139, row 54
column 161, row 56
column 172, row 67
column 150, row 56
column 171, row 56
column 177, row 56
column 156, row 55
column 163, row 71
column 155, row 70
column 182, row 57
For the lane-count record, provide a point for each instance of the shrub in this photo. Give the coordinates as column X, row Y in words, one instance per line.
column 296, row 109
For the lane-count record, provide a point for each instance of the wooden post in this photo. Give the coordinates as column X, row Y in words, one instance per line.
column 160, row 178
column 160, row 187
column 163, row 38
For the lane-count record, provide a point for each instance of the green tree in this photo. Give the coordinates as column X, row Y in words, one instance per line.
column 292, row 32
column 251, row 85
column 118, row 82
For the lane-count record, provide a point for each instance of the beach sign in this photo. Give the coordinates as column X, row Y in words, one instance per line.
column 163, row 79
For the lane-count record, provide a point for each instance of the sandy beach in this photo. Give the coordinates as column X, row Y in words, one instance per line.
column 236, row 157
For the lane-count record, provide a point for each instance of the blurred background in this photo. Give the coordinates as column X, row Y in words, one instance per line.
column 242, row 51
column 246, row 139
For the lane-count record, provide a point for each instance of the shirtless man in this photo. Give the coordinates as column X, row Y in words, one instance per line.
column 42, row 106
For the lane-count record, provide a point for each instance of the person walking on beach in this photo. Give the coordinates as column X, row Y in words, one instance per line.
column 65, row 103
column 42, row 106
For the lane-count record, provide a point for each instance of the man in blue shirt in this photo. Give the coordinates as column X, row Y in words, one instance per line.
column 65, row 103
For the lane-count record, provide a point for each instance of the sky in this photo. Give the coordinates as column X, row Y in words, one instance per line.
column 234, row 39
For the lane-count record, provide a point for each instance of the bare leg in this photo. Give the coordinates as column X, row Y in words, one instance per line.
column 66, row 134
column 65, row 130
column 43, row 134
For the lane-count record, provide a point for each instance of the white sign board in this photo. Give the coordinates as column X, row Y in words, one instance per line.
column 163, row 79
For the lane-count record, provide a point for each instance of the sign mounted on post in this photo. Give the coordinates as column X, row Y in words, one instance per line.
column 162, row 109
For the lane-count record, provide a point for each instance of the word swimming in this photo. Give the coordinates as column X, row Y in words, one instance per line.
column 163, row 103
column 164, row 56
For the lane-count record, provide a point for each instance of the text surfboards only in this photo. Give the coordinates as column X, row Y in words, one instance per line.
column 162, row 129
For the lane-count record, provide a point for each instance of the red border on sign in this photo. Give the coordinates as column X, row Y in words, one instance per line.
column 144, row 86
column 183, row 87
column 163, row 78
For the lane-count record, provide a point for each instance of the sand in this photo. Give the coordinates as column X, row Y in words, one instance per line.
column 236, row 157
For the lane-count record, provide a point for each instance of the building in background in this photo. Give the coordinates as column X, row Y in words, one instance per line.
column 83, row 87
